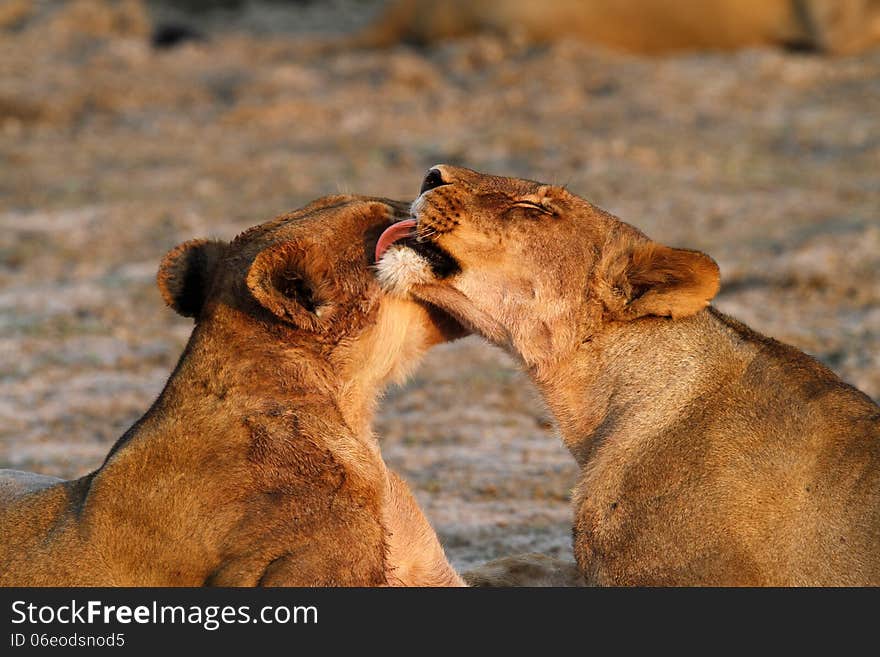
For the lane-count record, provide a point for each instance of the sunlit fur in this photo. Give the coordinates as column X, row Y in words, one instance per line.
column 257, row 464
column 639, row 26
column 708, row 453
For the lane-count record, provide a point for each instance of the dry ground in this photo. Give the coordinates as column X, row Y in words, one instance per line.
column 111, row 153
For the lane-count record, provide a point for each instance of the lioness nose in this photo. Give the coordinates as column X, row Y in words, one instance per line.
column 432, row 180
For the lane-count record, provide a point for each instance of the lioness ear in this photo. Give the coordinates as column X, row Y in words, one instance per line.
column 185, row 273
column 652, row 279
column 293, row 283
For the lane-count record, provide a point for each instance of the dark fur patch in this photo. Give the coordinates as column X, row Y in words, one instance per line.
column 185, row 275
column 295, row 287
column 442, row 264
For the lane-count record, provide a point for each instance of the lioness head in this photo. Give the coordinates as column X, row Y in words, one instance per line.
column 305, row 279
column 532, row 266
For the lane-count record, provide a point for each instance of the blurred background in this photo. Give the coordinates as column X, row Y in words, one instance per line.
column 749, row 130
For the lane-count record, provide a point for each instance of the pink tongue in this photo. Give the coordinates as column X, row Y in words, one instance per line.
column 394, row 233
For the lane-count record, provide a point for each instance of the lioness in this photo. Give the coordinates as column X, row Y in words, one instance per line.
column 709, row 454
column 256, row 465
column 639, row 26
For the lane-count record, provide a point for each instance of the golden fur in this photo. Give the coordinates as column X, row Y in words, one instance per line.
column 256, row 465
column 638, row 26
column 709, row 454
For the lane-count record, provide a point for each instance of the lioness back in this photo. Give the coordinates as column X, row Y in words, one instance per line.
column 771, row 477
column 640, row 26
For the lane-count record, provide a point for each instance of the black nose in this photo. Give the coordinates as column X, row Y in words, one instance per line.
column 432, row 180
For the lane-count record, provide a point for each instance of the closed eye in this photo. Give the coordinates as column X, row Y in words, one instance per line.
column 528, row 205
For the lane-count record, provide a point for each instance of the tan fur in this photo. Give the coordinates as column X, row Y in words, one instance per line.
column 638, row 26
column 709, row 454
column 414, row 554
column 256, row 465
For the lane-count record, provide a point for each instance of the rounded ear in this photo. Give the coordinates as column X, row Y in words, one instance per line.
column 646, row 278
column 185, row 274
column 294, row 283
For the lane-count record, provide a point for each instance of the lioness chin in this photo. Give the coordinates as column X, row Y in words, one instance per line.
column 709, row 454
column 256, row 465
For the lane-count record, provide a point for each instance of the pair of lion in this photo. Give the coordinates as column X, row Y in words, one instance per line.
column 709, row 454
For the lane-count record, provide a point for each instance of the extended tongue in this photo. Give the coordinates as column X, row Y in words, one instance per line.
column 392, row 234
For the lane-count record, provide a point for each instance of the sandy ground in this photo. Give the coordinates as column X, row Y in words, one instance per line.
column 112, row 152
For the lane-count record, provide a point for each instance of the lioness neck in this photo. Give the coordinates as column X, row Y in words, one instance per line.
column 179, row 485
column 633, row 379
column 387, row 351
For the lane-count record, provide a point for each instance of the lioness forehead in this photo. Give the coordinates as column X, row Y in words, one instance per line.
column 505, row 186
column 516, row 186
column 301, row 218
column 330, row 220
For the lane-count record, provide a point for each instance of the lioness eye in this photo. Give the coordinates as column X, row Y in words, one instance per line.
column 537, row 207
